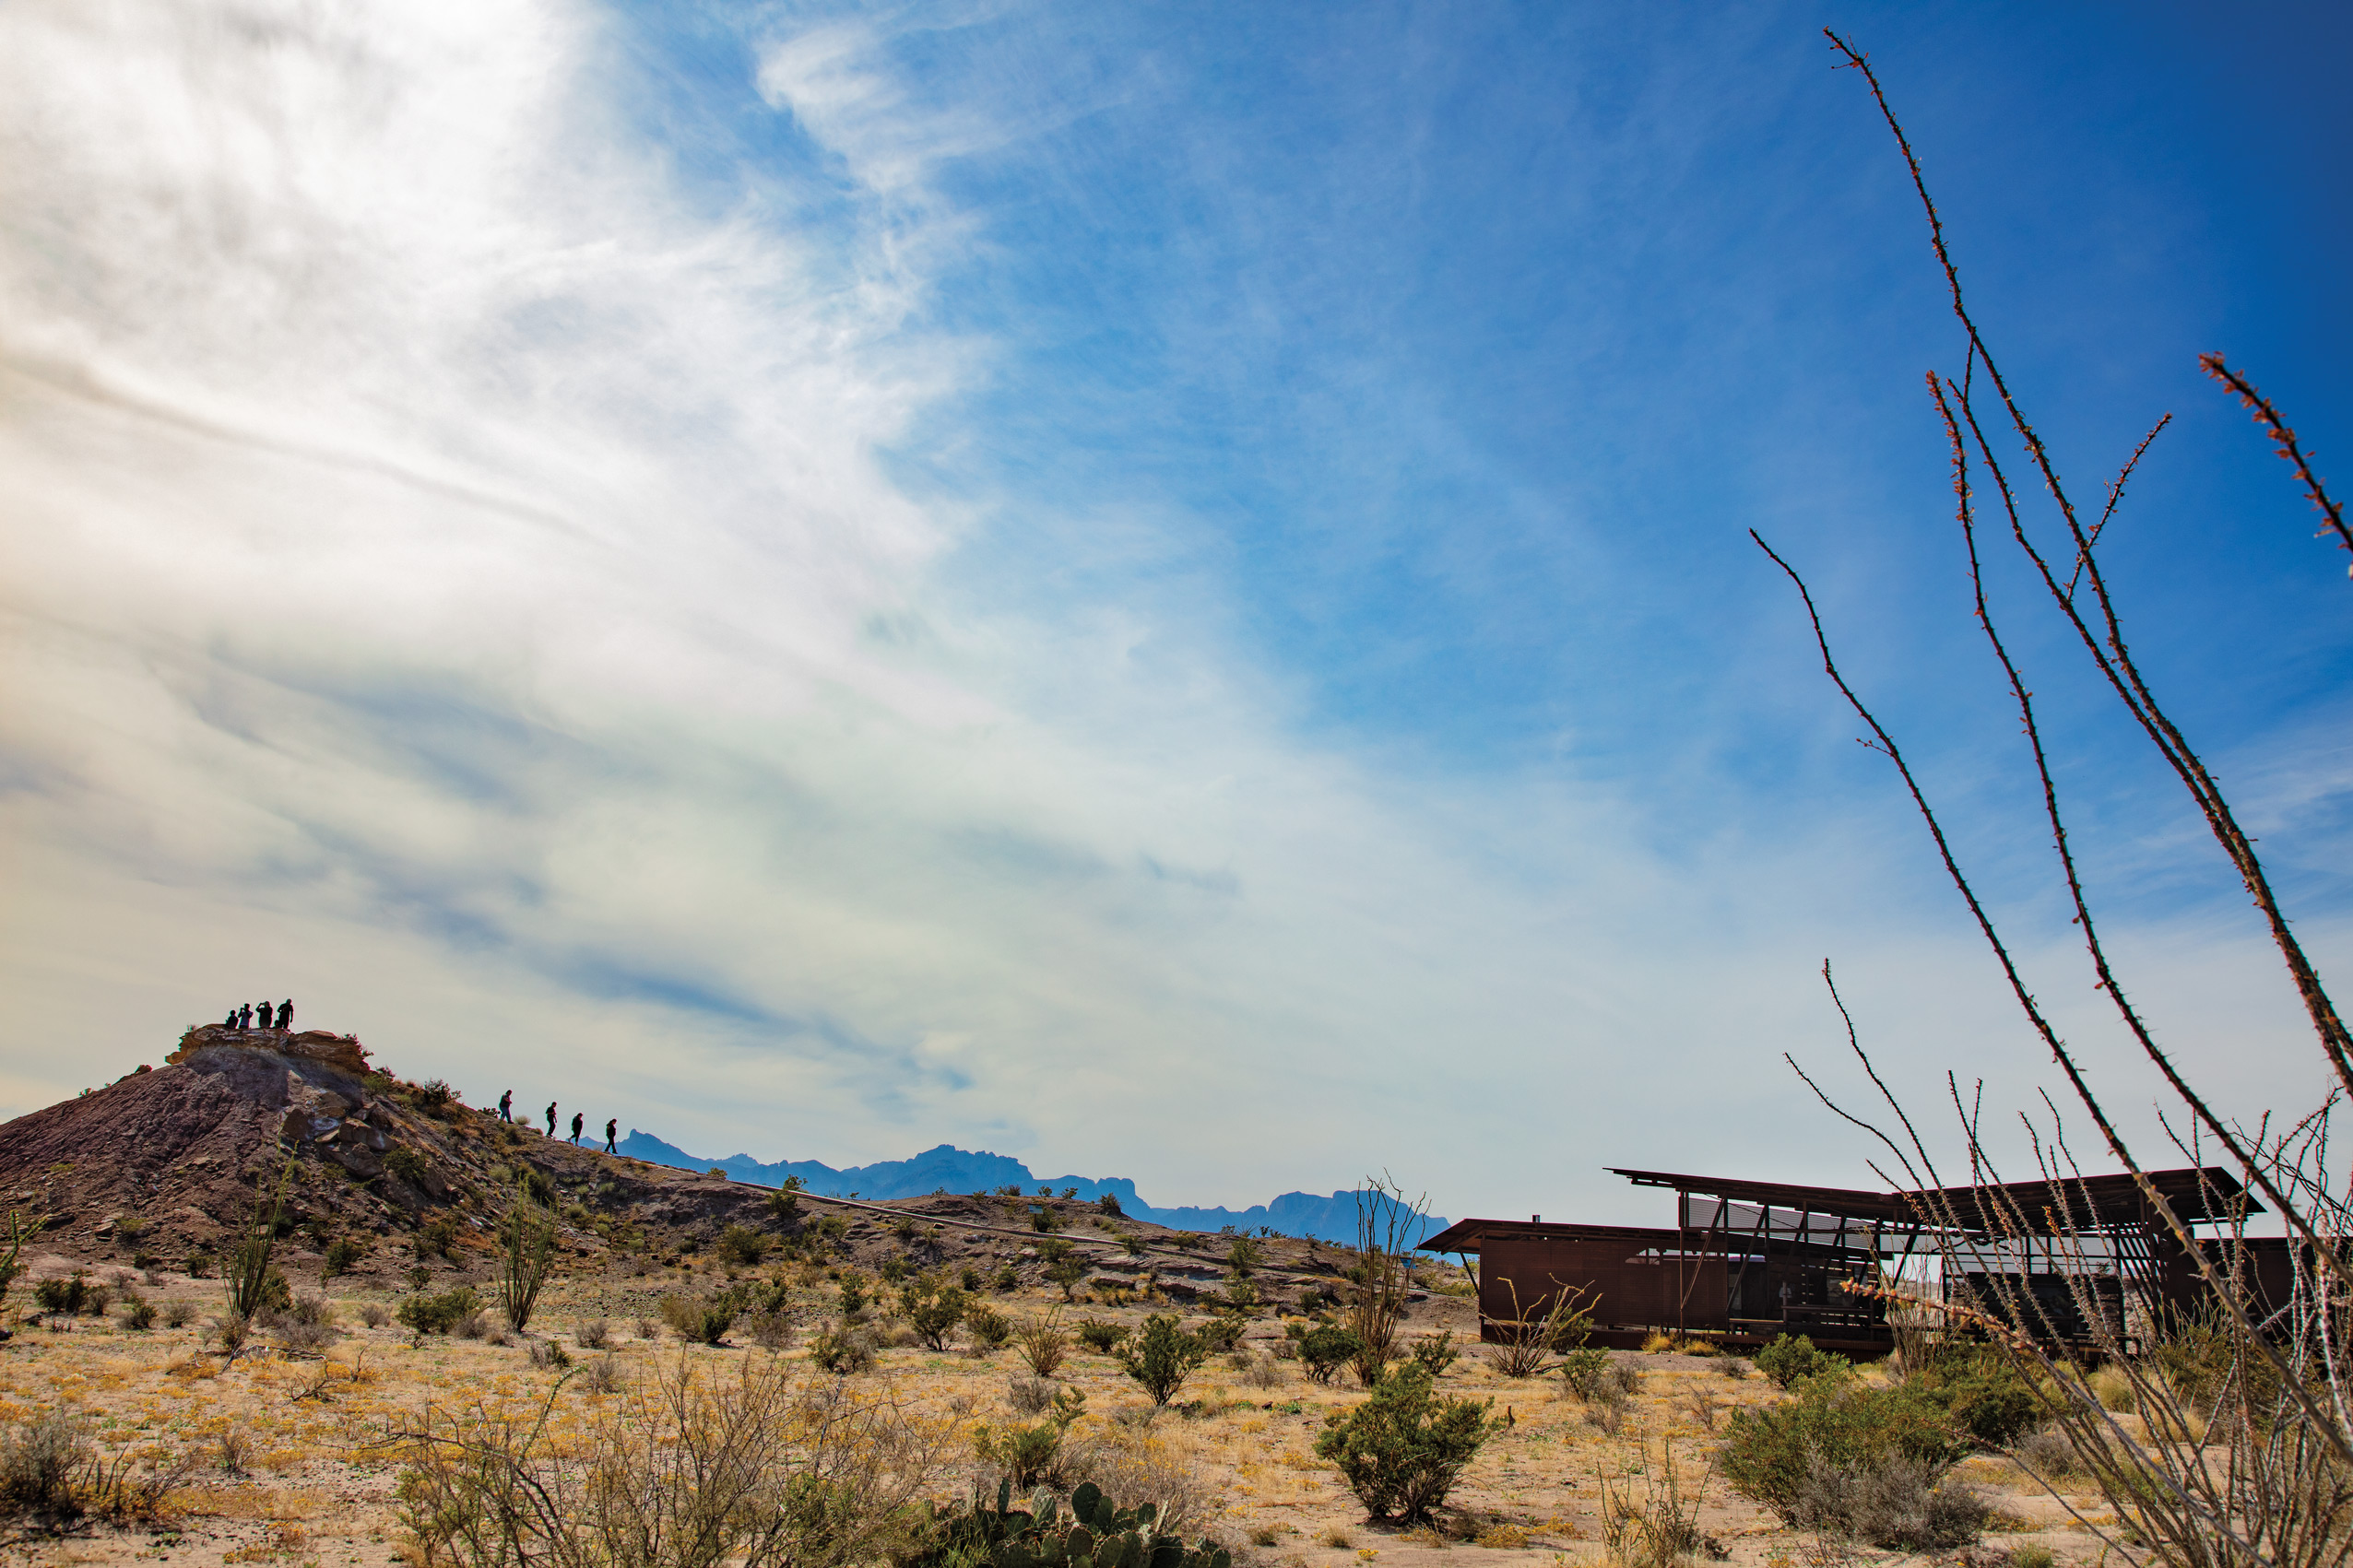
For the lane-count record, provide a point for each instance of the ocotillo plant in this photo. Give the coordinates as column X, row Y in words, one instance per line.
column 249, row 1263
column 528, row 1234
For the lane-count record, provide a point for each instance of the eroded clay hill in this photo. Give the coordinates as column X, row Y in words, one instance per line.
column 164, row 1166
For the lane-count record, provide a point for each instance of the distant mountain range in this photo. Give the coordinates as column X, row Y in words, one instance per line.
column 950, row 1169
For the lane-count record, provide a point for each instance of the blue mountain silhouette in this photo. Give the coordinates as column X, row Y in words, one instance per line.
column 950, row 1169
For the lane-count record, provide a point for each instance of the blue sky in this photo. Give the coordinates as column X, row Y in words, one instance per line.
column 1162, row 590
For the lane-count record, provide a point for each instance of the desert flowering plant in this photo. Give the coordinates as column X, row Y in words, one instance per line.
column 2238, row 1449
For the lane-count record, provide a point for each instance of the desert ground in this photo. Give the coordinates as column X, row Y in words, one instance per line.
column 291, row 1455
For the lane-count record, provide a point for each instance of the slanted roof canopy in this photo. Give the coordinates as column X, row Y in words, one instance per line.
column 2082, row 1203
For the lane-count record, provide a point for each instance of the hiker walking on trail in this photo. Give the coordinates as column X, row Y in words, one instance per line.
column 285, row 1013
column 576, row 1119
column 610, row 1123
column 552, row 1118
column 506, row 1106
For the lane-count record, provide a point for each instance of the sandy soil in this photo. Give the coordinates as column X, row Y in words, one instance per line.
column 316, row 1482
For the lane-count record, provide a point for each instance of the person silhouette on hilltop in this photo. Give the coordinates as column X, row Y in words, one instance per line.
column 245, row 1016
column 230, row 1021
column 610, row 1123
column 506, row 1106
column 552, row 1118
column 265, row 1010
column 285, row 1013
column 576, row 1119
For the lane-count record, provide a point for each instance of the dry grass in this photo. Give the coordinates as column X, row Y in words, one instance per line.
column 281, row 1438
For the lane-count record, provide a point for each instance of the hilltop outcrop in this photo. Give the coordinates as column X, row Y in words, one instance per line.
column 161, row 1169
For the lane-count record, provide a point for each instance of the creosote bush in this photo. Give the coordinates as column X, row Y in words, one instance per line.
column 1835, row 1420
column 1160, row 1356
column 1789, row 1359
column 1402, row 1450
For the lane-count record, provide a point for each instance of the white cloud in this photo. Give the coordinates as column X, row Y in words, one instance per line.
column 451, row 577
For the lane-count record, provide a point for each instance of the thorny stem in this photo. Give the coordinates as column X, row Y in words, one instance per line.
column 1884, row 744
column 2284, row 442
column 2116, row 494
column 2114, row 660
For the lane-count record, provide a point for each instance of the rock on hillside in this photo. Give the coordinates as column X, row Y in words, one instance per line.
column 162, row 1169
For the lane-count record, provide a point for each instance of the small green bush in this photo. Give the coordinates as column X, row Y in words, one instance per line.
column 43, row 1464
column 933, row 1311
column 742, row 1247
column 1162, row 1356
column 1837, row 1421
column 138, row 1313
column 1403, row 1448
column 1221, row 1333
column 843, row 1350
column 1099, row 1336
column 1326, row 1348
column 1982, row 1394
column 989, row 1327
column 1791, row 1360
column 405, row 1163
column 1893, row 1503
column 1437, row 1354
column 340, row 1256
column 426, row 1313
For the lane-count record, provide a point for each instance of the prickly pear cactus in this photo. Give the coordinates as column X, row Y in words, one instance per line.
column 1097, row 1534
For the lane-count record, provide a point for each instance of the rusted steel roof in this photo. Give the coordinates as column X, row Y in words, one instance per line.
column 2038, row 1207
column 1464, row 1235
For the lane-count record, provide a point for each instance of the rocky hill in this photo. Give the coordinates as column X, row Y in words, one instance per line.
column 161, row 1171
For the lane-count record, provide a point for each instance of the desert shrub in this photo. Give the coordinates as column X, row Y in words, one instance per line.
column 1402, row 1450
column 1042, row 1343
column 753, row 1469
column 201, row 1263
column 742, row 1247
column 138, row 1313
column 770, row 1330
column 1161, row 1357
column 430, row 1312
column 1583, row 1369
column 1131, row 1243
column 1835, row 1420
column 375, row 1315
column 933, row 1310
column 1892, row 1502
column 1100, row 1336
column 309, row 1309
column 703, row 1320
column 1437, row 1353
column 472, row 1325
column 1326, row 1348
column 1044, row 1221
column 1981, row 1392
column 178, row 1311
column 1221, row 1332
column 341, row 1255
column 43, row 1464
column 1109, row 1203
column 979, row 1535
column 433, row 1096
column 853, row 1294
column 547, row 1355
column 1264, row 1372
column 833, row 1227
column 989, row 1327
column 592, row 1333
column 62, row 1296
column 405, row 1163
column 1006, row 1280
column 2114, row 1391
column 1659, row 1530
column 2047, row 1453
column 230, row 1334
column 1029, row 1395
column 1028, row 1455
column 1789, row 1359
column 1067, row 1272
column 843, row 1350
column 601, row 1375
column 435, row 1237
